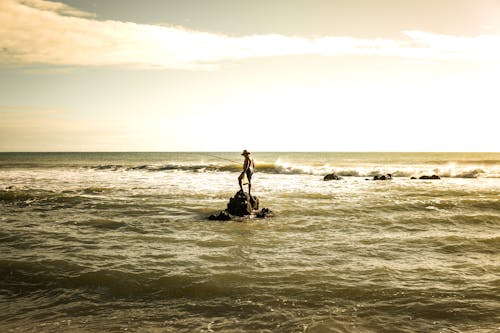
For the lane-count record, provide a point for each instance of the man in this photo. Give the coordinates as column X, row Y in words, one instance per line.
column 246, row 175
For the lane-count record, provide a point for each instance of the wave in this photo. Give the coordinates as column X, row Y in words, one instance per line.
column 25, row 196
column 475, row 173
column 469, row 161
column 25, row 276
column 285, row 168
column 168, row 167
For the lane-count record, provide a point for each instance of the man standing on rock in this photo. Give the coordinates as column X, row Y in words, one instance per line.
column 246, row 175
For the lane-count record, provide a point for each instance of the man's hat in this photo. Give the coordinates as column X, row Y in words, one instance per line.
column 245, row 152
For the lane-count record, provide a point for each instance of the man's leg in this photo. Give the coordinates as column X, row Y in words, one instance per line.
column 239, row 182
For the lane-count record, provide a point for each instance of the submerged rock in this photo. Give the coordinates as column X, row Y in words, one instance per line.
column 332, row 176
column 383, row 177
column 265, row 212
column 241, row 205
column 222, row 216
column 430, row 177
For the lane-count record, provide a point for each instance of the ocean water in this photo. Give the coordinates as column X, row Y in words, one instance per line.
column 120, row 242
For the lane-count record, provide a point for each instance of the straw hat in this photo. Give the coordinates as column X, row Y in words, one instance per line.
column 245, row 152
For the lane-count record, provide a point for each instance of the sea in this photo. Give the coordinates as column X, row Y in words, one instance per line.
column 121, row 242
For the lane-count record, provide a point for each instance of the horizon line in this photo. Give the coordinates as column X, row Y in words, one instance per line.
column 255, row 151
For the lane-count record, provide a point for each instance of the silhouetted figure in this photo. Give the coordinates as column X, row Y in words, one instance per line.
column 246, row 176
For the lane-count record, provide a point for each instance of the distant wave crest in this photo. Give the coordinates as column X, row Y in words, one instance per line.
column 319, row 170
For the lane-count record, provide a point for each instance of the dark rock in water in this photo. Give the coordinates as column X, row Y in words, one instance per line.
column 242, row 204
column 264, row 212
column 139, row 167
column 413, row 178
column 222, row 216
column 332, row 176
column 383, row 177
column 430, row 177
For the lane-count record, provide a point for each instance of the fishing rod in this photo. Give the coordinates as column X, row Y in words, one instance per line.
column 220, row 158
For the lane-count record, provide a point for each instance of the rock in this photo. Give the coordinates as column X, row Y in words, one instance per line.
column 383, row 177
column 139, row 167
column 413, row 178
column 222, row 216
column 332, row 176
column 242, row 204
column 265, row 212
column 430, row 177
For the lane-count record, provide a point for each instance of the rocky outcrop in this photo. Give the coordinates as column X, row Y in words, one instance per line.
column 265, row 212
column 430, row 177
column 241, row 205
column 332, row 176
column 222, row 216
column 383, row 177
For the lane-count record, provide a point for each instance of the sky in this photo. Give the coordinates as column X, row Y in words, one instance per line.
column 262, row 75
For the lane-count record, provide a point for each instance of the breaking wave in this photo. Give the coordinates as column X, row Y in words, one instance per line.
column 26, row 196
column 279, row 167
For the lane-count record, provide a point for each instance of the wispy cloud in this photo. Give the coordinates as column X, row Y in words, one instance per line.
column 46, row 32
column 56, row 7
column 478, row 48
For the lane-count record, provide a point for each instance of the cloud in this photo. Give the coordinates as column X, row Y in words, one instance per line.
column 479, row 48
column 46, row 32
column 56, row 7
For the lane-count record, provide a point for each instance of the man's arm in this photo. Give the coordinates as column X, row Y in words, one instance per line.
column 246, row 164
